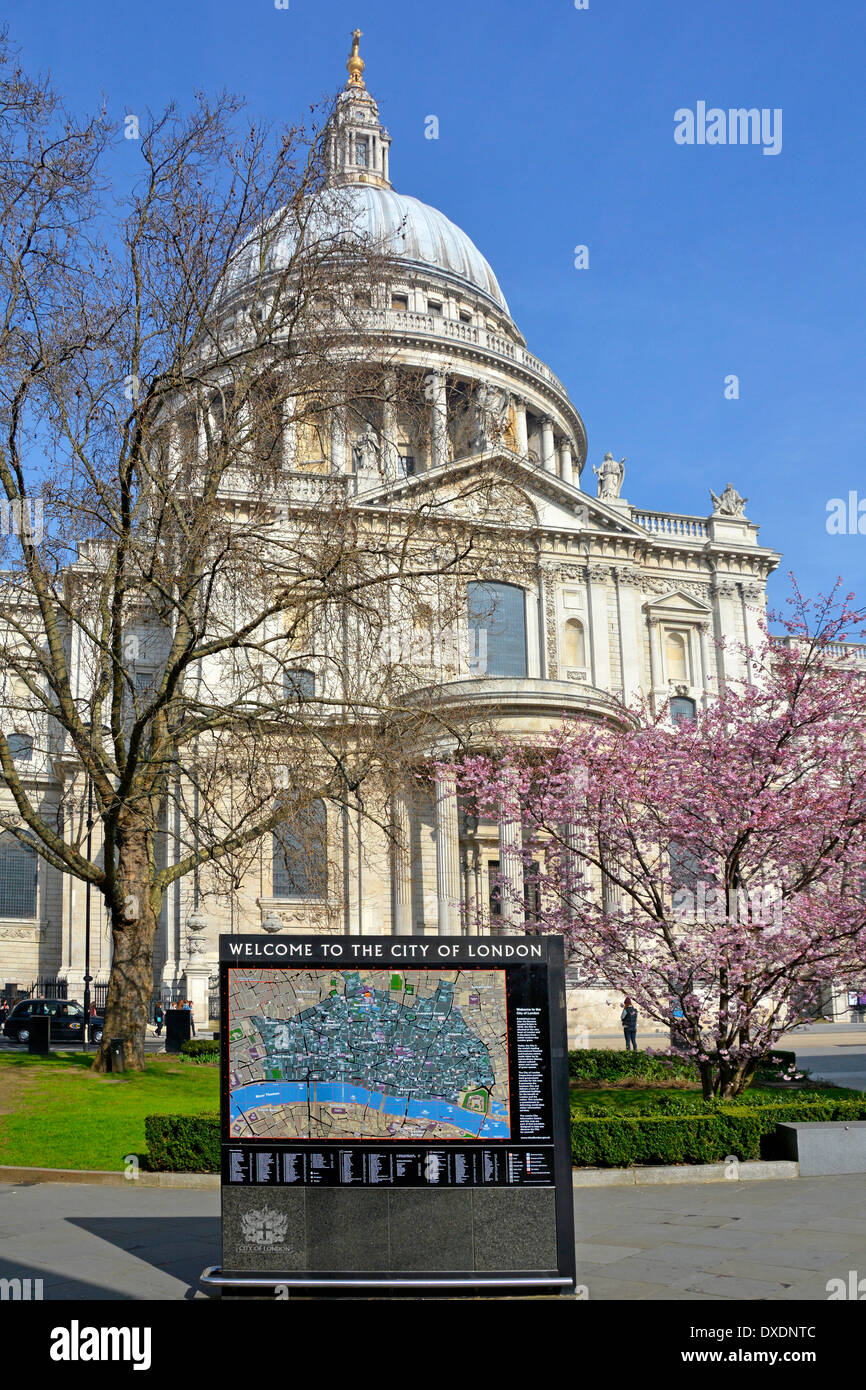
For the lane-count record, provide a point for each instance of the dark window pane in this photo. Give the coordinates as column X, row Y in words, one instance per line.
column 685, row 868
column 18, row 870
column 683, row 710
column 300, row 863
column 20, row 747
column 299, row 685
column 497, row 622
column 494, row 896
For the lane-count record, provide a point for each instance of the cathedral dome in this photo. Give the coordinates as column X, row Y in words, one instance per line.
column 403, row 227
column 360, row 202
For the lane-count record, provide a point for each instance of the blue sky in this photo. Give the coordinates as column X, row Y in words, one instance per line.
column 556, row 129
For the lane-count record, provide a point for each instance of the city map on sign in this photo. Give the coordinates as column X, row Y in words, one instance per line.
column 322, row 1054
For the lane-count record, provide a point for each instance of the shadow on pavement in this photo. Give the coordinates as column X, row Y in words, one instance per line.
column 150, row 1247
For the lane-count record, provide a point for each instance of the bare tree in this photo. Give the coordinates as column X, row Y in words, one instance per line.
column 176, row 383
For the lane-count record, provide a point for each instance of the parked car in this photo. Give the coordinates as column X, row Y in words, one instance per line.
column 67, row 1020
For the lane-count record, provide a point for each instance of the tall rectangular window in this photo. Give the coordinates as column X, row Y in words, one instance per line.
column 497, row 624
column 300, row 866
column 19, row 867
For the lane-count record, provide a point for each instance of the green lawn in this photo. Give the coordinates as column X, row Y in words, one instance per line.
column 56, row 1113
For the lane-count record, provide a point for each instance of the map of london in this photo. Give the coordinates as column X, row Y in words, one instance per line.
column 415, row 1054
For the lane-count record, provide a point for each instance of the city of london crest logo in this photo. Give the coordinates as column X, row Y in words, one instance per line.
column 264, row 1226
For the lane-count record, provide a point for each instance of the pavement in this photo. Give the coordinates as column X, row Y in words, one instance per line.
column 774, row 1241
column 757, row 1241
column 835, row 1052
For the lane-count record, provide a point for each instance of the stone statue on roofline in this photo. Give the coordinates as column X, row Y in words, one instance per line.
column 730, row 503
column 611, row 476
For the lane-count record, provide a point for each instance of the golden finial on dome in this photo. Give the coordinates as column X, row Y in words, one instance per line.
column 356, row 63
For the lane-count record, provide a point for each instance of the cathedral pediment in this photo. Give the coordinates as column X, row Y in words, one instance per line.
column 506, row 489
column 679, row 606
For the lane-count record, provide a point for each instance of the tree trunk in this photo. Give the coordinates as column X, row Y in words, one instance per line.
column 708, row 1079
column 734, row 1080
column 133, row 927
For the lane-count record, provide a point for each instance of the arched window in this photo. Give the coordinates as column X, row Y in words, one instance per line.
column 675, row 657
column 683, row 710
column 18, row 878
column 684, row 867
column 266, row 411
column 300, row 865
column 20, row 747
column 311, row 450
column 497, row 627
column 299, row 685
column 575, row 645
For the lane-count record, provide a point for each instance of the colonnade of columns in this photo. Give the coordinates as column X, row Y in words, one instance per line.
column 450, row 897
column 555, row 450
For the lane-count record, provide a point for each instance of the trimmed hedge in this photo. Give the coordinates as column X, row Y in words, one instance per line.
column 598, row 1064
column 183, row 1143
column 724, row 1130
column 200, row 1050
column 190, row 1143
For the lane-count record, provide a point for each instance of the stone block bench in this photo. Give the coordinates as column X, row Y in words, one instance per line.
column 824, row 1147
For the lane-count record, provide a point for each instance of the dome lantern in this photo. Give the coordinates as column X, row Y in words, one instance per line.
column 357, row 143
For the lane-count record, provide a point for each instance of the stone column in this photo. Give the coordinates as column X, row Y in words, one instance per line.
column 522, row 435
column 655, row 657
column 599, row 579
column 511, row 876
column 338, row 441
column 197, row 973
column 290, row 433
column 390, row 448
column 401, row 867
column 611, row 894
column 566, row 467
column 438, row 420
column 631, row 639
column 752, row 600
column 447, row 858
column 572, row 833
column 706, row 678
column 548, row 451
column 202, row 433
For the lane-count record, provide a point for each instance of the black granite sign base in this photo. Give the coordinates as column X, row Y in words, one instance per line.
column 326, row 1230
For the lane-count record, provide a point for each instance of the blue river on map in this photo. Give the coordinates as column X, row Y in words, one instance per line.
column 246, row 1098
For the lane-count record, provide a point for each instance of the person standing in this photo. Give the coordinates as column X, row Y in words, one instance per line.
column 187, row 1005
column 628, row 1018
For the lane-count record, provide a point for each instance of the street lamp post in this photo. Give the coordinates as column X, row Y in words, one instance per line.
column 85, row 1040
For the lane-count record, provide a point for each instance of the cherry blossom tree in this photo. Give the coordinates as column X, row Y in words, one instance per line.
column 715, row 870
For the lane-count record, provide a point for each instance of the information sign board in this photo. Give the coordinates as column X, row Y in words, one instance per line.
column 395, row 1109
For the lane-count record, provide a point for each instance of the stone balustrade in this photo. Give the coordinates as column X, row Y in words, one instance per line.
column 671, row 524
column 403, row 321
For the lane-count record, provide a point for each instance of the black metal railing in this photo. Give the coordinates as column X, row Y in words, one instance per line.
column 48, row 989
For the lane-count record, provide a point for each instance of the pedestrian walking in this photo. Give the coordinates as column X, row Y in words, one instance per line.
column 158, row 1019
column 628, row 1018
